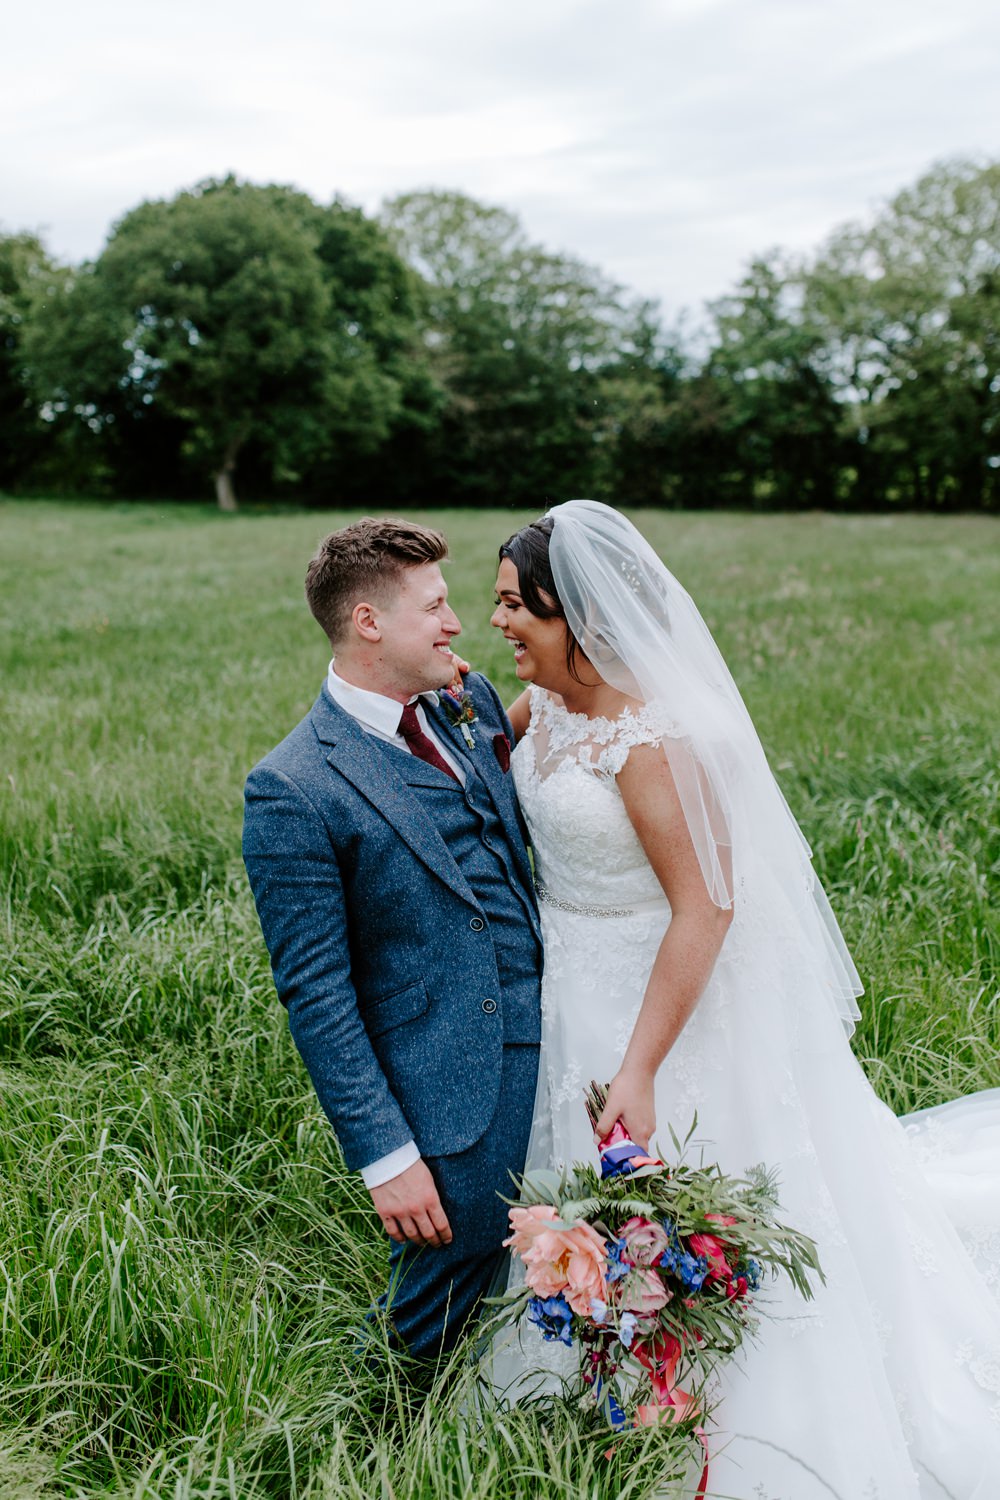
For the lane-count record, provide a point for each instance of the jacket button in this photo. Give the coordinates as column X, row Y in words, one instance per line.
column 489, row 1006
column 477, row 924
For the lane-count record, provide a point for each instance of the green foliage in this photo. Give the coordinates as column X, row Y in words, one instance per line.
column 182, row 1257
column 523, row 341
column 439, row 356
column 26, row 274
column 246, row 318
column 777, row 414
column 908, row 310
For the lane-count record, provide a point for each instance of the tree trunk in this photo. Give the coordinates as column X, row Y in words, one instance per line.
column 225, row 493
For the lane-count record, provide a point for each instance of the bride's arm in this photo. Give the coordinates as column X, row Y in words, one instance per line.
column 690, row 945
column 520, row 712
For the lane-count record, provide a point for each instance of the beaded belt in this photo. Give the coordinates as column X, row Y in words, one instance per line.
column 579, row 908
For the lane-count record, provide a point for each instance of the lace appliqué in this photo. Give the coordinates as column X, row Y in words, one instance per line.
column 567, row 1088
column 984, row 1369
column 561, row 735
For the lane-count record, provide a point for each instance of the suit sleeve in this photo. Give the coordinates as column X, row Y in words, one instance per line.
column 297, row 888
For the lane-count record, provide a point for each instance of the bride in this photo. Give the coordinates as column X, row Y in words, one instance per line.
column 692, row 959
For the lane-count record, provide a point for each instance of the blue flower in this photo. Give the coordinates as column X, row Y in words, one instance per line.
column 751, row 1270
column 617, row 1268
column 672, row 1254
column 554, row 1316
column 692, row 1271
column 604, row 1394
column 626, row 1328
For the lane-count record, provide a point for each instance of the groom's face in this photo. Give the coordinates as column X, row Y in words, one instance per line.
column 416, row 626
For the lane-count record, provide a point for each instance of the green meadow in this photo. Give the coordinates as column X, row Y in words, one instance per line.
column 182, row 1256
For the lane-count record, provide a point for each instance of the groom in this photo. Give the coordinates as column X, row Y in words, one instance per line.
column 385, row 851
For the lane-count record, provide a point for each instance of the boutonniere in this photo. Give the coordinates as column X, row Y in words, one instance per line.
column 459, row 709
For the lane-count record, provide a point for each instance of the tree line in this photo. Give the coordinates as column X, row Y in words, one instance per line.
column 246, row 339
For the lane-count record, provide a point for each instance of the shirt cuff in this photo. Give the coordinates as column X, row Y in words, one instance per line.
column 379, row 1172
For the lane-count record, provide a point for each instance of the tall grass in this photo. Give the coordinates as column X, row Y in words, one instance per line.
column 182, row 1256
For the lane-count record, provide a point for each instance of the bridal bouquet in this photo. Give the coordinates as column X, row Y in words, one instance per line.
column 649, row 1271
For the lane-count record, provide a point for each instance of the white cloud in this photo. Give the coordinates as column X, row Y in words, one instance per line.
column 665, row 140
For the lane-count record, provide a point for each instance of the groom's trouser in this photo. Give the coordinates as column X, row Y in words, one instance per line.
column 435, row 1291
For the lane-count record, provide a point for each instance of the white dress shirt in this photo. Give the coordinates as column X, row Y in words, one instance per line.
column 380, row 716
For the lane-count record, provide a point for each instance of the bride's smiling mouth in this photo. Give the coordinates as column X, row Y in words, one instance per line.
column 519, row 647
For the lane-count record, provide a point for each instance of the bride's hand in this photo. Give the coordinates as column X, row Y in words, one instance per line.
column 631, row 1100
column 457, row 683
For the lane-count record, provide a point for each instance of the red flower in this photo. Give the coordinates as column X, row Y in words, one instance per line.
column 715, row 1253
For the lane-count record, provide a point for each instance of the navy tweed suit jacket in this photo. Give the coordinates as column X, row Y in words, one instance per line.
column 378, row 945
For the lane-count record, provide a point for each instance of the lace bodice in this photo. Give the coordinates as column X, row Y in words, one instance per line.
column 585, row 847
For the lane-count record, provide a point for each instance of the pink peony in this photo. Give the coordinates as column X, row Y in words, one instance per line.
column 570, row 1260
column 585, row 1278
column 641, row 1291
column 528, row 1223
column 645, row 1241
column 545, row 1263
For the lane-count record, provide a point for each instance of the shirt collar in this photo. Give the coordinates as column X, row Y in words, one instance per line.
column 372, row 710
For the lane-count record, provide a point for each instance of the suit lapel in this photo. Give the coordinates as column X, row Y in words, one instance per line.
column 359, row 758
column 483, row 760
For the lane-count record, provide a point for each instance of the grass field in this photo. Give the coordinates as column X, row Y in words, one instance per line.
column 181, row 1255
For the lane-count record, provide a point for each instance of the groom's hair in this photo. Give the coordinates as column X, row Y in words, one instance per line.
column 364, row 562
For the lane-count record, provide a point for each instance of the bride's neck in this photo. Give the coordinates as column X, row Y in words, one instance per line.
column 596, row 701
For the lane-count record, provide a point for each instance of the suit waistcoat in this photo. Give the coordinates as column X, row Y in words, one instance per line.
column 479, row 842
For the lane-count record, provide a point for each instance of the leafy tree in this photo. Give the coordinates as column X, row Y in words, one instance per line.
column 518, row 338
column 776, row 418
column 26, row 272
column 441, row 355
column 646, row 441
column 910, row 308
column 249, row 318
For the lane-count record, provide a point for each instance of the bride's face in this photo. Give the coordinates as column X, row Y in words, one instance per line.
column 539, row 645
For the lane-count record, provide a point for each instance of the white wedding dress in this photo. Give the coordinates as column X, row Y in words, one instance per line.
column 887, row 1385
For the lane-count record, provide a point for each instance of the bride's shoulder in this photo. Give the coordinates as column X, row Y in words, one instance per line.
column 639, row 727
column 653, row 719
column 639, row 722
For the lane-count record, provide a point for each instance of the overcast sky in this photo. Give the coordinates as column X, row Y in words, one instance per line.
column 666, row 141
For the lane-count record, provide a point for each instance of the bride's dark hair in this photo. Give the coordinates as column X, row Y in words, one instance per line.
column 528, row 550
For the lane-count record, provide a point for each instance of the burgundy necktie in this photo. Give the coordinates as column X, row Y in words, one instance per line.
column 420, row 746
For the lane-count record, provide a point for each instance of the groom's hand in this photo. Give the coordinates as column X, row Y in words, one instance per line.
column 410, row 1208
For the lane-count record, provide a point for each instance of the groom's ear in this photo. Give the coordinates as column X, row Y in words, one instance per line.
column 364, row 618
